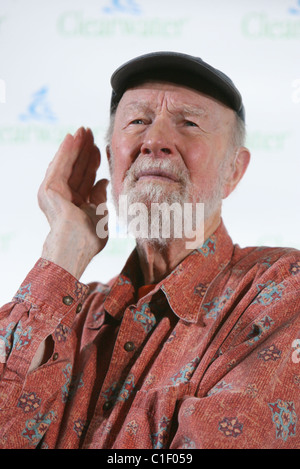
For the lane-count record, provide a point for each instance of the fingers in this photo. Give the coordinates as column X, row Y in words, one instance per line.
column 73, row 170
column 62, row 165
column 88, row 162
column 89, row 176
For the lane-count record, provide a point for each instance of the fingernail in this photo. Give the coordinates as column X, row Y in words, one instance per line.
column 78, row 133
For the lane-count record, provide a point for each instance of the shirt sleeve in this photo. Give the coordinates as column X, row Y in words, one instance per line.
column 48, row 297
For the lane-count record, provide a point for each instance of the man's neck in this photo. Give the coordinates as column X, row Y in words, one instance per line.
column 157, row 261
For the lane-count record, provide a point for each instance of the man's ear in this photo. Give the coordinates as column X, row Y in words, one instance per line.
column 236, row 170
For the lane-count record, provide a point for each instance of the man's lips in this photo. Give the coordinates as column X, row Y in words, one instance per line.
column 156, row 174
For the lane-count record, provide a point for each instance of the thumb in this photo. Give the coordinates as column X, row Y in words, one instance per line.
column 98, row 193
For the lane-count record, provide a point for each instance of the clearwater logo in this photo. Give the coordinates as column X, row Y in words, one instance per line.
column 38, row 108
column 296, row 9
column 265, row 25
column 123, row 18
column 37, row 122
column 122, row 6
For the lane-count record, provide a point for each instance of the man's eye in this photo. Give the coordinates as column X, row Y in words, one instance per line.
column 190, row 124
column 137, row 121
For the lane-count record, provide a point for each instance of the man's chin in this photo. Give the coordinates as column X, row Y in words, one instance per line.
column 154, row 192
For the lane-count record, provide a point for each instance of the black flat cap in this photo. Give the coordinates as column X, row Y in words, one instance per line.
column 178, row 68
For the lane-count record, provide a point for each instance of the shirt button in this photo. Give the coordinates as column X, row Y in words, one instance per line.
column 67, row 300
column 129, row 346
column 79, row 308
column 107, row 405
column 55, row 356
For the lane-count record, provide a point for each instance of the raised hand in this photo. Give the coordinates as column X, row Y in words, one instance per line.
column 69, row 196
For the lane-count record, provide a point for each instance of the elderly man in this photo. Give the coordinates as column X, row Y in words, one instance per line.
column 187, row 347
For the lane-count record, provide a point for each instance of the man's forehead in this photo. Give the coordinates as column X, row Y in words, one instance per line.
column 153, row 93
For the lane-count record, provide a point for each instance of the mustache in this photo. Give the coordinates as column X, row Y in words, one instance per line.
column 159, row 166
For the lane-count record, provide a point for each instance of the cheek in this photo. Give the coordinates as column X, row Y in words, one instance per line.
column 125, row 149
column 118, row 174
column 120, row 165
column 198, row 161
column 204, row 170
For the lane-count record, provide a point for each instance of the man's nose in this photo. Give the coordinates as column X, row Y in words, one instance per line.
column 159, row 140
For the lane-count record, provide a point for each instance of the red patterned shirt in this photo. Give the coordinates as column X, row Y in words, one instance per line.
column 210, row 358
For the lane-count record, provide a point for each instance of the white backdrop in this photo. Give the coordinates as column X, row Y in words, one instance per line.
column 56, row 59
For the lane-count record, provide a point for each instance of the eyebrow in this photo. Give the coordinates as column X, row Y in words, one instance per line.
column 185, row 110
column 138, row 106
column 190, row 110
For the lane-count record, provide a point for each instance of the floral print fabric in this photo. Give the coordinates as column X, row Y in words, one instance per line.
column 205, row 360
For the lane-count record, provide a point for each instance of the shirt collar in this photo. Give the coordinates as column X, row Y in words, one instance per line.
column 184, row 288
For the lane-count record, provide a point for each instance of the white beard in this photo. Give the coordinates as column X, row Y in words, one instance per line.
column 157, row 192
